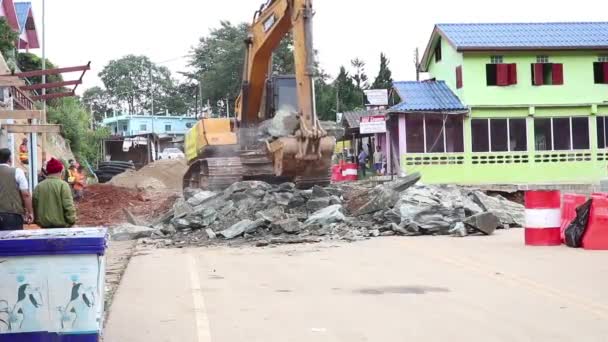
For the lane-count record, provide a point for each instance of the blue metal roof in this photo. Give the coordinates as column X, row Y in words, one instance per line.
column 527, row 35
column 22, row 9
column 426, row 96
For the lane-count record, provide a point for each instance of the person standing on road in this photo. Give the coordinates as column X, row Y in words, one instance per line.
column 378, row 160
column 363, row 161
column 53, row 201
column 15, row 197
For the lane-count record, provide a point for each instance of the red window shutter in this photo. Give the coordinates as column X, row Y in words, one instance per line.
column 459, row 77
column 605, row 69
column 512, row 73
column 502, row 74
column 538, row 73
column 558, row 73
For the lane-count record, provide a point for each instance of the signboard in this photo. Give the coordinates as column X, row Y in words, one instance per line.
column 338, row 117
column 377, row 97
column 372, row 124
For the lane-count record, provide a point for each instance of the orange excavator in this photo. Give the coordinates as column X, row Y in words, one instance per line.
column 221, row 151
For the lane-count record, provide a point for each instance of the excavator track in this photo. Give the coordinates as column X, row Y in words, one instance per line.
column 214, row 173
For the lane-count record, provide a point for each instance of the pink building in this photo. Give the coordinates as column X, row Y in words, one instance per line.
column 20, row 17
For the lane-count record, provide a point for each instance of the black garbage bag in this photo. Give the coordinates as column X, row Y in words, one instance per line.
column 576, row 229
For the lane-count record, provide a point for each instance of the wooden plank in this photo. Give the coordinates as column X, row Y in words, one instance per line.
column 53, row 96
column 53, row 71
column 20, row 114
column 51, row 85
column 11, row 81
column 32, row 128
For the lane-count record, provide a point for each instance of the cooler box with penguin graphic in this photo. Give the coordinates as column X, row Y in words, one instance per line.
column 52, row 285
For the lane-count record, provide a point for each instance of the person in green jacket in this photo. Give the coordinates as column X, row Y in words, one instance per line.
column 53, row 201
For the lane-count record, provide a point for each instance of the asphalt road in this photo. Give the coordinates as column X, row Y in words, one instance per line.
column 386, row 289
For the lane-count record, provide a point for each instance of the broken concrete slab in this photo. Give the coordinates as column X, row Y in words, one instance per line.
column 508, row 212
column 315, row 204
column 210, row 234
column 404, row 183
column 326, row 215
column 129, row 231
column 181, row 209
column 240, row 228
column 459, row 230
column 271, row 215
column 290, row 225
column 486, row 222
column 380, row 198
column 319, row 192
column 201, row 197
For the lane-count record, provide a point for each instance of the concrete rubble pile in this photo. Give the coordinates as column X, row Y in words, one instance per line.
column 258, row 213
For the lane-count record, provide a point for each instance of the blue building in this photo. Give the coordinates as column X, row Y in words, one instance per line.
column 132, row 125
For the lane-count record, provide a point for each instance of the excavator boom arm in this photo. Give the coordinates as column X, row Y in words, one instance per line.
column 271, row 24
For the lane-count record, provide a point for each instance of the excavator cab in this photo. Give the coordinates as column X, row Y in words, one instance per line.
column 302, row 152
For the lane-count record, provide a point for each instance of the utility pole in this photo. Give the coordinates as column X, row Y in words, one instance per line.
column 151, row 95
column 200, row 94
column 227, row 106
column 417, row 64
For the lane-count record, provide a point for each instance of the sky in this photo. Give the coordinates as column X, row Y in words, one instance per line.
column 78, row 31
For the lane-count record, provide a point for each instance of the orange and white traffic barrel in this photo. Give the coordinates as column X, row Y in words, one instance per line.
column 543, row 218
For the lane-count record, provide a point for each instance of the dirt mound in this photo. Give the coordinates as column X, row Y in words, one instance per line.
column 160, row 175
column 103, row 205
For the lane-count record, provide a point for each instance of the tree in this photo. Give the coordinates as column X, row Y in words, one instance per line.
column 350, row 97
column 8, row 37
column 97, row 100
column 384, row 79
column 283, row 62
column 131, row 80
column 218, row 61
column 359, row 75
column 76, row 128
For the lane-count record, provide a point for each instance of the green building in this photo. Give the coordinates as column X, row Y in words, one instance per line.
column 537, row 99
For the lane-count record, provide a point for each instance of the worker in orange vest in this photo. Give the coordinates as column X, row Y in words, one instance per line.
column 23, row 152
column 80, row 182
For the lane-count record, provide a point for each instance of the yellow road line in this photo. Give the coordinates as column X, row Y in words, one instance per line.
column 202, row 320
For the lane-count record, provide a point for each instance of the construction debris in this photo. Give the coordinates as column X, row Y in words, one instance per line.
column 254, row 212
column 165, row 174
column 106, row 205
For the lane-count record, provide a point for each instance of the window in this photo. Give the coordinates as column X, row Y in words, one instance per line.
column 481, row 135
column 29, row 24
column 542, row 59
column 435, row 136
column 454, row 128
column 602, row 128
column 434, row 133
column 124, row 128
column 496, row 59
column 438, row 51
column 546, row 73
column 561, row 134
column 600, row 70
column 167, row 128
column 499, row 141
column 580, row 133
column 499, row 73
column 518, row 137
column 143, row 127
column 499, row 135
column 414, row 126
column 459, row 77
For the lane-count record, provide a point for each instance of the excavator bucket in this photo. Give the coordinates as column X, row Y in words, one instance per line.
column 308, row 162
